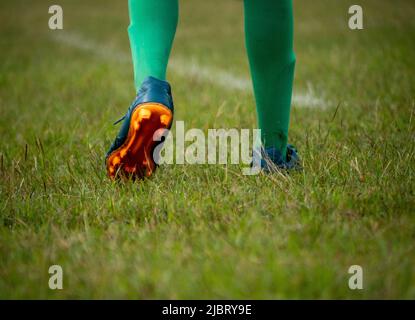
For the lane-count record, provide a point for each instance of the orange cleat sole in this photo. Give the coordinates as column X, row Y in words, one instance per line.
column 134, row 158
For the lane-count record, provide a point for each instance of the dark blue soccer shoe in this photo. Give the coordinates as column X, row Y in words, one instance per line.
column 272, row 160
column 131, row 153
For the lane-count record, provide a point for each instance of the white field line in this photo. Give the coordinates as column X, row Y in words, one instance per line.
column 185, row 67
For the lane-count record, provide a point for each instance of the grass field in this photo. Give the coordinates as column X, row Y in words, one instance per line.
column 207, row 231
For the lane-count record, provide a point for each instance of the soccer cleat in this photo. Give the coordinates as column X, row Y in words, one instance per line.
column 131, row 153
column 272, row 160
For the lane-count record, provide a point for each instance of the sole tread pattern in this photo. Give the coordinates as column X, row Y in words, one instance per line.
column 134, row 158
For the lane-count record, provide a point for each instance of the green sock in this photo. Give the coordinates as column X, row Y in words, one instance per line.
column 269, row 43
column 151, row 31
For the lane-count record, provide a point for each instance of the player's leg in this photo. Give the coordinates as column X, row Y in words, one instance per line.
column 151, row 31
column 269, row 43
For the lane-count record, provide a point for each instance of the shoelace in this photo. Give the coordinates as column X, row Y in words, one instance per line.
column 119, row 120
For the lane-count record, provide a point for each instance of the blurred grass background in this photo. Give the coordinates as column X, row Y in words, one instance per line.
column 207, row 231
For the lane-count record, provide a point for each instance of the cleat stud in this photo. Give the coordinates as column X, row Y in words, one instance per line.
column 116, row 160
column 144, row 114
column 123, row 153
column 165, row 119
